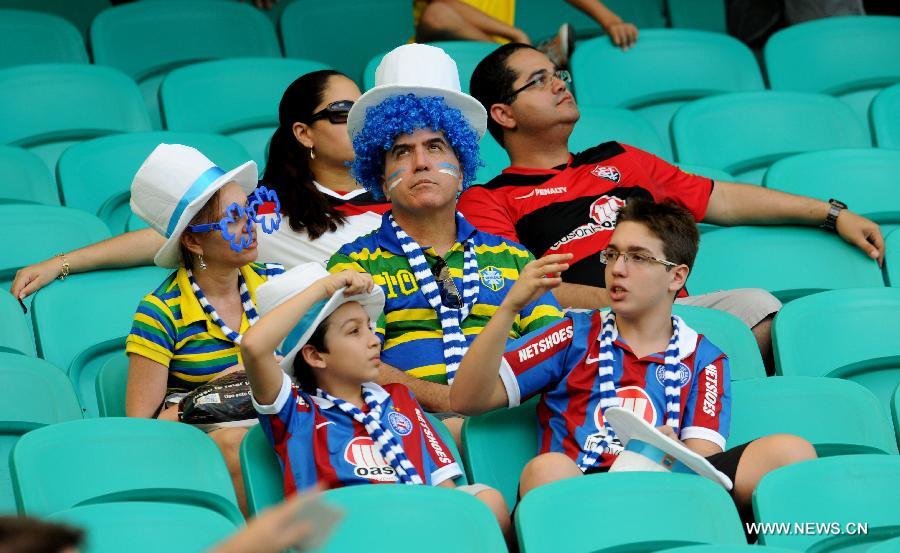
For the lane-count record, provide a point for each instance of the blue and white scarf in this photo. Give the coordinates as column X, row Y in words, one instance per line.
column 246, row 301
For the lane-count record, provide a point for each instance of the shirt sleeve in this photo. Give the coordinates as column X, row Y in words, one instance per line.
column 152, row 332
column 341, row 261
column 486, row 213
column 536, row 361
column 437, row 459
column 671, row 183
column 707, row 413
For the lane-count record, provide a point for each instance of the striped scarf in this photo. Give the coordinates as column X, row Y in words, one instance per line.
column 390, row 447
column 246, row 301
column 608, row 398
column 455, row 345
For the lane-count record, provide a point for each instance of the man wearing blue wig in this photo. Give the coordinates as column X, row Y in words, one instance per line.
column 415, row 135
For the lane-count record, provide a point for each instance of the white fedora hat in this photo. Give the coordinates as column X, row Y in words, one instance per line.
column 278, row 290
column 172, row 185
column 649, row 450
column 421, row 70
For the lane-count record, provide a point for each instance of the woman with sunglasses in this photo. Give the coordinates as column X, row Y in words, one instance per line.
column 308, row 166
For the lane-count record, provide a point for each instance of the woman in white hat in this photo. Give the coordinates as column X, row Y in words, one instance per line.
column 188, row 330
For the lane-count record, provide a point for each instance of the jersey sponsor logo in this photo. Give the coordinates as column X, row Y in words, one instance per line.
column 543, row 192
column 545, row 343
column 400, row 424
column 607, row 172
column 492, row 278
column 636, row 400
column 433, row 442
column 684, row 374
column 366, row 458
column 603, row 213
column 710, row 390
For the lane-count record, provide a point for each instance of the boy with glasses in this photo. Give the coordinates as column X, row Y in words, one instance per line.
column 638, row 356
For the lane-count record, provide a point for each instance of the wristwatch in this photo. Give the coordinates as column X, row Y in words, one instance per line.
column 830, row 222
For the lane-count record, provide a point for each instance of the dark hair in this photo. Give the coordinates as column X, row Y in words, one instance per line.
column 303, row 373
column 207, row 214
column 287, row 167
column 492, row 81
column 671, row 223
column 30, row 535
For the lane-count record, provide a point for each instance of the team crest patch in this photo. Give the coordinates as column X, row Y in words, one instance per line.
column 492, row 278
column 607, row 172
column 684, row 374
column 400, row 423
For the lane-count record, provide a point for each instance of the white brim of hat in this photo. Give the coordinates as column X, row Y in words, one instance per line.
column 629, row 426
column 246, row 176
column 471, row 108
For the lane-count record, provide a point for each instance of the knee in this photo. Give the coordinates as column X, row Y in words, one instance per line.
column 229, row 442
column 494, row 499
column 546, row 468
column 787, row 449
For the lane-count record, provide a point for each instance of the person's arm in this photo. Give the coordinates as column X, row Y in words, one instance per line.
column 126, row 250
column 146, row 389
column 477, row 387
column 581, row 296
column 622, row 34
column 485, row 23
column 746, row 204
column 697, row 445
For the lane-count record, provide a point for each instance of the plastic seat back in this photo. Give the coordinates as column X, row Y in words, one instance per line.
column 16, row 334
column 883, row 117
column 654, row 77
column 146, row 40
column 704, row 15
column 111, row 385
column 495, row 159
column 80, row 13
column 892, row 258
column 541, row 19
column 25, row 178
column 95, row 176
column 895, row 412
column 744, row 133
column 730, row 335
column 28, row 37
column 597, row 125
column 838, row 417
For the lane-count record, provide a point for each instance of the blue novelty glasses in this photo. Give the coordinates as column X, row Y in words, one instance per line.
column 262, row 208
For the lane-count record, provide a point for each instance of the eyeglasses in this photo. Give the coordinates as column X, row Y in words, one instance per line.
column 450, row 295
column 262, row 208
column 541, row 80
column 335, row 112
column 609, row 256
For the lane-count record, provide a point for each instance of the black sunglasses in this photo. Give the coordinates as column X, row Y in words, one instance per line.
column 450, row 295
column 335, row 112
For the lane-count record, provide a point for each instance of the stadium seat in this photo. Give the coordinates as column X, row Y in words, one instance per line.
column 111, row 385
column 245, row 105
column 466, row 53
column 567, row 516
column 708, row 172
column 372, row 26
column 892, row 258
column 744, row 133
column 729, row 549
column 883, row 117
column 80, row 13
column 146, row 40
column 412, row 519
column 135, row 223
column 873, row 172
column 25, row 178
column 838, row 417
column 64, row 306
column 654, row 77
column 108, row 526
column 28, row 37
column 729, row 334
column 789, row 262
column 597, row 125
column 848, row 57
column 839, row 490
column 889, row 545
column 861, row 329
column 541, row 19
column 35, row 394
column 494, row 157
column 895, row 412
column 115, row 459
column 16, row 335
column 95, row 176
column 46, row 108
column 704, row 15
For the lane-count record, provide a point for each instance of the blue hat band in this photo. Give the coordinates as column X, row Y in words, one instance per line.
column 302, row 326
column 658, row 456
column 192, row 193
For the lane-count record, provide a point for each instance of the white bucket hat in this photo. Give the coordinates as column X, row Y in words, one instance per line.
column 649, row 450
column 278, row 290
column 421, row 70
column 173, row 184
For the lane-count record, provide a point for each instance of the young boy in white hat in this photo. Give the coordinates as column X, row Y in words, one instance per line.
column 638, row 356
column 336, row 427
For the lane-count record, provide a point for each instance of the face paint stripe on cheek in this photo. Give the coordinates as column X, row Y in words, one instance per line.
column 394, row 183
column 449, row 169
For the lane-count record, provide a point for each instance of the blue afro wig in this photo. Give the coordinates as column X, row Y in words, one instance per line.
column 399, row 115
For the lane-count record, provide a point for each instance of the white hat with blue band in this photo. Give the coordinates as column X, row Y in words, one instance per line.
column 280, row 289
column 172, row 186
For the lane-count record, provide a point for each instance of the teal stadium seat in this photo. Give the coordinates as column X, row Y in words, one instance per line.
column 245, row 104
column 494, row 157
column 25, row 178
column 838, row 417
column 704, row 15
column 883, row 117
column 566, row 515
column 146, row 40
column 665, row 69
column 28, row 37
column 744, row 133
column 108, row 300
column 729, row 549
column 35, row 394
column 412, row 519
column 114, row 460
column 850, row 334
column 15, row 336
column 466, row 53
column 95, row 176
column 80, row 13
column 371, row 26
column 840, row 490
column 46, row 108
column 729, row 334
column 135, row 223
column 895, row 412
column 597, row 125
column 892, row 258
column 889, row 545
column 111, row 385
column 849, row 57
column 541, row 19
